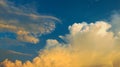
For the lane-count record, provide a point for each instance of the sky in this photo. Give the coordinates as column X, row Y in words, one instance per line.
column 43, row 33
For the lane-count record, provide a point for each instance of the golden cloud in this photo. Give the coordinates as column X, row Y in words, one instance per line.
column 89, row 45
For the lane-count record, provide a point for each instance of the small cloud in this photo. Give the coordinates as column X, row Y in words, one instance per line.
column 10, row 54
column 18, row 53
column 52, row 43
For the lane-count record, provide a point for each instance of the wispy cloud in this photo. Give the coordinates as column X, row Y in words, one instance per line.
column 27, row 25
column 11, row 54
column 18, row 53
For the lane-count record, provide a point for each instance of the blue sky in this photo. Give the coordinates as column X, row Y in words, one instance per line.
column 67, row 11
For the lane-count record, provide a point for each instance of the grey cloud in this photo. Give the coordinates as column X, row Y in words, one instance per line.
column 115, row 22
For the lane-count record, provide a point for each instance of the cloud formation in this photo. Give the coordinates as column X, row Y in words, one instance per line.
column 88, row 45
column 27, row 25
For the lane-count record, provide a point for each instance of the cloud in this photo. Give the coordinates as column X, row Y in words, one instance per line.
column 51, row 43
column 11, row 55
column 8, row 52
column 18, row 53
column 115, row 22
column 27, row 25
column 88, row 45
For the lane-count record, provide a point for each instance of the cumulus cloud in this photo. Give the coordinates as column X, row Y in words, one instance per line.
column 88, row 45
column 27, row 25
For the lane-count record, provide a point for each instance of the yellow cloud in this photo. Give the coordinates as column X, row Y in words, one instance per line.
column 89, row 45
